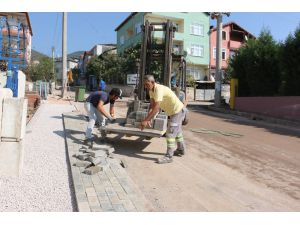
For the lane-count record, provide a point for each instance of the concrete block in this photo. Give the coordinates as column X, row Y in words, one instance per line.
column 162, row 116
column 92, row 170
column 137, row 124
column 130, row 121
column 82, row 164
column 160, row 124
column 136, row 105
column 83, row 156
column 96, row 161
column 140, row 116
column 98, row 153
column 14, row 115
column 101, row 146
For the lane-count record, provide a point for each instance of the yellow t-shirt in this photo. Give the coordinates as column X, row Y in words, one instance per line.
column 167, row 99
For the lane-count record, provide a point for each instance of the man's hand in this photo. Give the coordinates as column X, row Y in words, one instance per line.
column 145, row 123
column 112, row 120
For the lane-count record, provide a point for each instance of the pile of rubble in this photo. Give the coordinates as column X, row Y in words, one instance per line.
column 138, row 111
column 95, row 158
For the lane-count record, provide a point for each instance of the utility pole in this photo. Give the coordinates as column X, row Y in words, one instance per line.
column 64, row 54
column 53, row 70
column 218, row 80
column 53, row 60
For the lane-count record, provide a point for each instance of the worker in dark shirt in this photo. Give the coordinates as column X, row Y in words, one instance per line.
column 94, row 106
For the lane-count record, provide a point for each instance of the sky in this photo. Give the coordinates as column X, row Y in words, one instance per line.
column 88, row 29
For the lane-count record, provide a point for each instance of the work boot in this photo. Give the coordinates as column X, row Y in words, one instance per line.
column 88, row 142
column 179, row 152
column 165, row 159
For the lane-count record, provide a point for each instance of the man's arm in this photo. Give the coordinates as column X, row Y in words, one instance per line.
column 101, row 109
column 112, row 110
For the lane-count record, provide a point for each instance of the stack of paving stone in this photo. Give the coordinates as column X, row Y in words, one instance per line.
column 94, row 159
column 138, row 111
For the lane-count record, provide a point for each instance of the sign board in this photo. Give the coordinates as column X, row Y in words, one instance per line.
column 132, row 79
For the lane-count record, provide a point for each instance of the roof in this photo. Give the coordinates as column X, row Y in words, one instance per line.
column 237, row 27
column 20, row 14
column 126, row 20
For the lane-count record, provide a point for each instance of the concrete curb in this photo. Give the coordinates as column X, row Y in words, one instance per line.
column 255, row 116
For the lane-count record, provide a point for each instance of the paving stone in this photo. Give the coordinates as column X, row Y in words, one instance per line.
column 118, row 207
column 98, row 153
column 96, row 209
column 90, row 192
column 92, row 170
column 106, row 205
column 114, row 199
column 122, row 195
column 102, row 196
column 93, row 201
column 83, row 156
column 160, row 124
column 82, row 164
column 81, row 197
column 110, row 191
column 84, row 207
column 99, row 188
column 96, row 161
column 101, row 146
column 79, row 189
column 128, row 205
column 95, row 179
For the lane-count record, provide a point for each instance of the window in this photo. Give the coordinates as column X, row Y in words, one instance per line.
column 197, row 50
column 197, row 29
column 232, row 54
column 122, row 39
column 223, row 53
column 223, row 35
column 138, row 28
column 195, row 73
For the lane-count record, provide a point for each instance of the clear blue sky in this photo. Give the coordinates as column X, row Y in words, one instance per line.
column 87, row 29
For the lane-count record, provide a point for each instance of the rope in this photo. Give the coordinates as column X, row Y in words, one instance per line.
column 207, row 131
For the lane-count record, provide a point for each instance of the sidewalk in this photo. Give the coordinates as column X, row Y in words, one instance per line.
column 44, row 184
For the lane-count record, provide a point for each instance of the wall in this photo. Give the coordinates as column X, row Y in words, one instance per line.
column 287, row 107
column 225, row 44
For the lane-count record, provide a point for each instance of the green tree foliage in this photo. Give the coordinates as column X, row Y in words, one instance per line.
column 114, row 68
column 290, row 66
column 256, row 65
column 41, row 70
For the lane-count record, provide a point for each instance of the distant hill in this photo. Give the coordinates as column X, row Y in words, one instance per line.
column 75, row 55
column 35, row 55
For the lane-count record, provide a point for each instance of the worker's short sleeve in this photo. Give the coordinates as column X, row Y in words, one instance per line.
column 158, row 94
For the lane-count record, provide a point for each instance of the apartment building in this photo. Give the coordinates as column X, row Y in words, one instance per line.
column 191, row 37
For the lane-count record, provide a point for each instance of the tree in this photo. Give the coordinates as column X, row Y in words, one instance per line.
column 290, row 58
column 256, row 65
column 41, row 70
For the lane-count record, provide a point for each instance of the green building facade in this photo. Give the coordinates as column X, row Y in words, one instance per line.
column 192, row 36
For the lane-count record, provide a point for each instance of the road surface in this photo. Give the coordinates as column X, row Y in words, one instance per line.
column 258, row 171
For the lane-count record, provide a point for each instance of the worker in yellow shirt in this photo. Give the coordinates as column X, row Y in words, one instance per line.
column 162, row 97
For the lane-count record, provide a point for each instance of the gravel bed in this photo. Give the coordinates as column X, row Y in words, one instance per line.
column 45, row 184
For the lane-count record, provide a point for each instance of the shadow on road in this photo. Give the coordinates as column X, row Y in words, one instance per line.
column 133, row 148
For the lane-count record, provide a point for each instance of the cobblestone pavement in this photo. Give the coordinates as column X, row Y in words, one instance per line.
column 108, row 190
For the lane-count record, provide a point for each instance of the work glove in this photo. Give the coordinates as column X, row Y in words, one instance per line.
column 112, row 120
